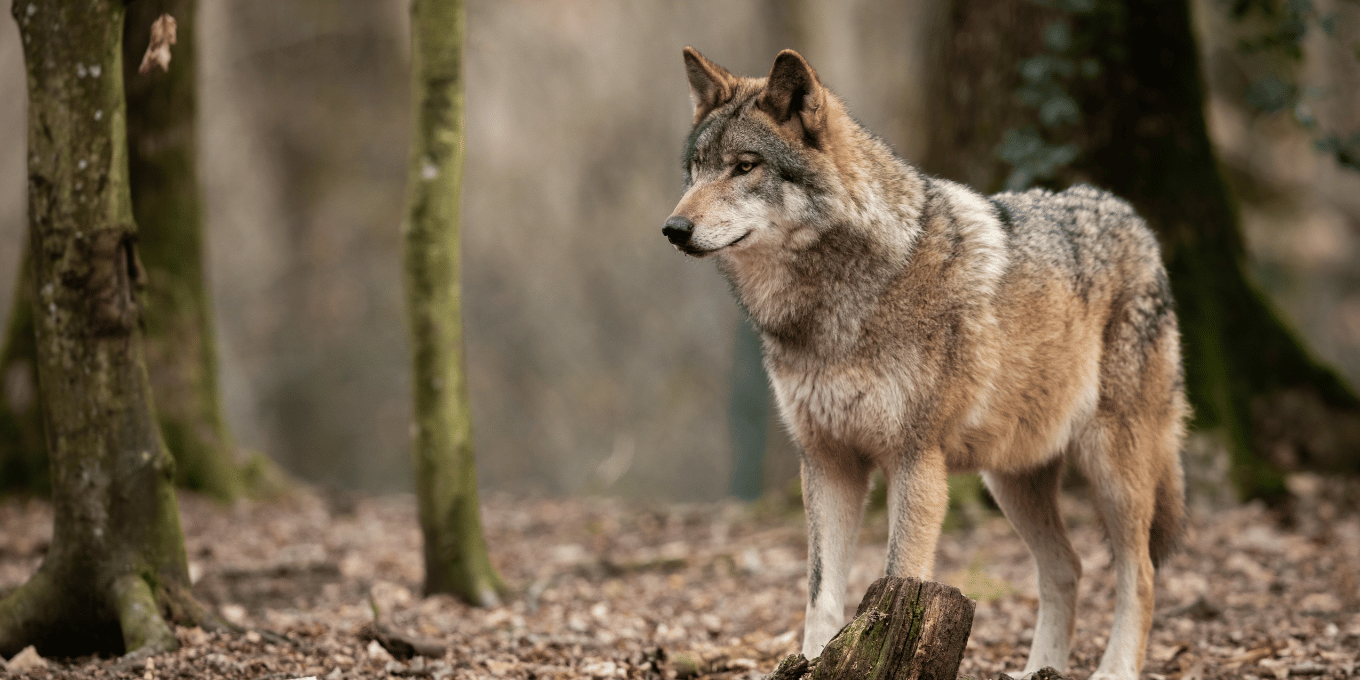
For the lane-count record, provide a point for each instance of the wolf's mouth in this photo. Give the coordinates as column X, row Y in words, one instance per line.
column 700, row 252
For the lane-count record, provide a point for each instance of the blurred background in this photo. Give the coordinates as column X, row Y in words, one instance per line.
column 599, row 359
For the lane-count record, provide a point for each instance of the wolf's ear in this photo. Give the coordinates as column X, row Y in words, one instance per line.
column 710, row 85
column 793, row 93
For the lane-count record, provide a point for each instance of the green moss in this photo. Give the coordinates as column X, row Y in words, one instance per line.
column 263, row 478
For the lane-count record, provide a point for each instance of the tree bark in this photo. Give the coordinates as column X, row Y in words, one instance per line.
column 116, row 568
column 181, row 351
column 23, row 453
column 1144, row 137
column 456, row 559
column 983, row 46
column 904, row 628
column 178, row 336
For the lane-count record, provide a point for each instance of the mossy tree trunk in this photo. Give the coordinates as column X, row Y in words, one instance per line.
column 23, row 453
column 116, row 568
column 456, row 559
column 178, row 334
column 181, row 352
column 1143, row 135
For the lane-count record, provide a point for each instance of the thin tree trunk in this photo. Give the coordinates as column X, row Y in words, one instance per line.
column 23, row 453
column 181, row 352
column 456, row 559
column 116, row 565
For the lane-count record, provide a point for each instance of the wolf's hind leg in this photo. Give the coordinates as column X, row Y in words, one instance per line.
column 833, row 498
column 1123, row 479
column 1030, row 501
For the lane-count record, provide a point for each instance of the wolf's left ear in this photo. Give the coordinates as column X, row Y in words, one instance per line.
column 710, row 85
column 794, row 93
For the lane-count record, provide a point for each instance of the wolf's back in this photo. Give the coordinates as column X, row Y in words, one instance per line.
column 1088, row 234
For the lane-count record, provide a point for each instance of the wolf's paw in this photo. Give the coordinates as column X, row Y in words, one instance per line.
column 1107, row 675
column 1045, row 673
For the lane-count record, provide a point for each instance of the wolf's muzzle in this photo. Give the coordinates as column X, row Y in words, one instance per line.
column 678, row 230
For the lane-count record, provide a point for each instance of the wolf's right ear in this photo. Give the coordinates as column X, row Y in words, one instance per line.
column 710, row 85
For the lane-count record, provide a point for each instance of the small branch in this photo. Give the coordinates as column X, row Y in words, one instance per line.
column 400, row 645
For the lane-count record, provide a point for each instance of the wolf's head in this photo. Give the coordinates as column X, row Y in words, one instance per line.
column 757, row 159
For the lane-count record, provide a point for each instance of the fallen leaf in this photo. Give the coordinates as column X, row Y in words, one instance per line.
column 158, row 50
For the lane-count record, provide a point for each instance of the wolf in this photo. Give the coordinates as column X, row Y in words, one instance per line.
column 913, row 325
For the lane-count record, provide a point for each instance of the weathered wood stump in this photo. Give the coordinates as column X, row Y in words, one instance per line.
column 904, row 628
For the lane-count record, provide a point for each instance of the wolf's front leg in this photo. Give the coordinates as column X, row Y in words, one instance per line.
column 918, row 497
column 833, row 498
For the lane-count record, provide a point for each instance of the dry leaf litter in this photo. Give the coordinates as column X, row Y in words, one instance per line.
column 610, row 589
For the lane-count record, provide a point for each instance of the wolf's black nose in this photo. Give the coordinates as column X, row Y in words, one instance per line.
column 678, row 230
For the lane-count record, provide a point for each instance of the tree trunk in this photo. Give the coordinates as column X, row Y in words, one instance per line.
column 23, row 453
column 178, row 337
column 116, row 566
column 456, row 559
column 904, row 628
column 181, row 352
column 983, row 47
column 1143, row 136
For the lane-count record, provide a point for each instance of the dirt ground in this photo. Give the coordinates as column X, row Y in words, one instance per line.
column 608, row 589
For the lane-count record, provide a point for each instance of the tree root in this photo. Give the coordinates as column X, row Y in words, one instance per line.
column 23, row 614
column 145, row 631
column 41, row 614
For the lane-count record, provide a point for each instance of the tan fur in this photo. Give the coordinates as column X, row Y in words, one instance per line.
column 913, row 325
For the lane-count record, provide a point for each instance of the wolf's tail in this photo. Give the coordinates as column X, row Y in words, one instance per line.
column 1168, row 515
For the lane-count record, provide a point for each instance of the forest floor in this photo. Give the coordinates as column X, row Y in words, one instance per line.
column 611, row 589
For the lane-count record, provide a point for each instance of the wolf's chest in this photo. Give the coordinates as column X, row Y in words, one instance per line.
column 860, row 408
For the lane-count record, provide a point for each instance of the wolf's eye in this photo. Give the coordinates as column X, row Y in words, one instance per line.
column 745, row 167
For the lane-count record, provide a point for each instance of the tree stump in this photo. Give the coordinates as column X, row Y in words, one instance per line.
column 904, row 628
